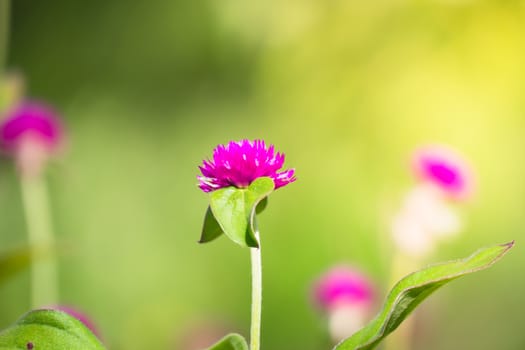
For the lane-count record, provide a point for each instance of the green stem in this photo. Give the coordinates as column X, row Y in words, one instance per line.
column 4, row 31
column 255, row 330
column 44, row 291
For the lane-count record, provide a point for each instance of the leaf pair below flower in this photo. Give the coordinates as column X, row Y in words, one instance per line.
column 233, row 210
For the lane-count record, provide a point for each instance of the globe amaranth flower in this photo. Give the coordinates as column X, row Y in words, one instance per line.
column 31, row 132
column 240, row 163
column 445, row 169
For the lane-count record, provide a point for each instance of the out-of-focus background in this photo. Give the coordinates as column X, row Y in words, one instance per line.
column 347, row 89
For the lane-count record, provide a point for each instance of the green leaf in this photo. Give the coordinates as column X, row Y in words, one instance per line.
column 211, row 228
column 232, row 341
column 413, row 289
column 234, row 210
column 49, row 330
column 261, row 205
column 15, row 261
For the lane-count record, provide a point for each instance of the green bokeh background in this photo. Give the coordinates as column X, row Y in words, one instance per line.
column 346, row 89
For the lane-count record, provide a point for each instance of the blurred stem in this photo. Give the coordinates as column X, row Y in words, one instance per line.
column 4, row 31
column 255, row 330
column 44, row 291
column 401, row 338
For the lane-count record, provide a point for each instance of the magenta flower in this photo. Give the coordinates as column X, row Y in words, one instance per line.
column 445, row 169
column 34, row 119
column 343, row 286
column 239, row 163
column 31, row 132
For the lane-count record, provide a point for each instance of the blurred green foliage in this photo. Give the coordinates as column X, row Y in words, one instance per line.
column 346, row 89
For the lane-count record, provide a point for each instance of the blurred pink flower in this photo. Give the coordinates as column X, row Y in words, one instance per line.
column 31, row 132
column 343, row 285
column 347, row 296
column 32, row 118
column 445, row 169
column 239, row 163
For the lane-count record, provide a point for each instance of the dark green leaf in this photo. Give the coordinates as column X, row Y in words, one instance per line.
column 49, row 330
column 413, row 289
column 261, row 206
column 230, row 342
column 234, row 209
column 211, row 228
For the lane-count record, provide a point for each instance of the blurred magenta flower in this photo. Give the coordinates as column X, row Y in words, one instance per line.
column 31, row 132
column 343, row 285
column 426, row 216
column 239, row 163
column 347, row 296
column 31, row 118
column 445, row 169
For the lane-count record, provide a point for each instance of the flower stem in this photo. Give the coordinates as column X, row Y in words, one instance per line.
column 4, row 31
column 255, row 330
column 44, row 290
